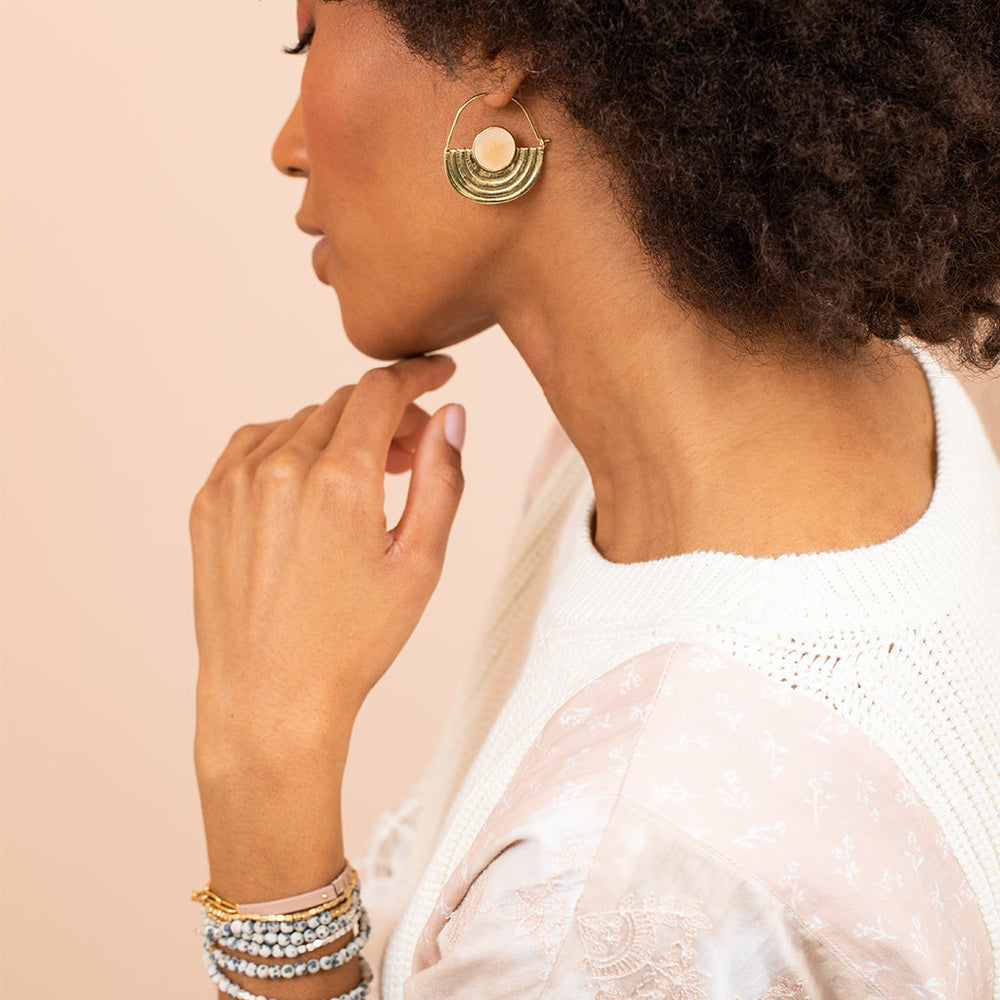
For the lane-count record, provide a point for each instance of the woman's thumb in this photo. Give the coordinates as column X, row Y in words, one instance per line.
column 436, row 484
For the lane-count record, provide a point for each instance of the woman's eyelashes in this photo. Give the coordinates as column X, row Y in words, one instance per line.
column 303, row 43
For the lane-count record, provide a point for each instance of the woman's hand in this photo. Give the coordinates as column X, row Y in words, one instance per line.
column 303, row 597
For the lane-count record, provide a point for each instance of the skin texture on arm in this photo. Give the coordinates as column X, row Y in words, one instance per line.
column 303, row 598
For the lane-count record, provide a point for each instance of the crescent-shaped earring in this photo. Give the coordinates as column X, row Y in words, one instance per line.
column 495, row 169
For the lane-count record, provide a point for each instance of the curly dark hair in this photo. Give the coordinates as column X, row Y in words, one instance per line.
column 829, row 169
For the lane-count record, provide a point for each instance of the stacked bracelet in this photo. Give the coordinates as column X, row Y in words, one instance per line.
column 332, row 899
column 286, row 938
column 230, row 988
column 261, row 970
column 285, row 929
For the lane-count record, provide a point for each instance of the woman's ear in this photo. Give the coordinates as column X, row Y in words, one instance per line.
column 506, row 77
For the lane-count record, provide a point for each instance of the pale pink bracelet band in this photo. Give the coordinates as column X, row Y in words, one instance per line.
column 305, row 900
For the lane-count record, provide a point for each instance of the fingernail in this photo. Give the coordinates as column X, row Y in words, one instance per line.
column 454, row 426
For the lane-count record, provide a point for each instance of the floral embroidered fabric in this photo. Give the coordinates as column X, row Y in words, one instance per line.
column 686, row 828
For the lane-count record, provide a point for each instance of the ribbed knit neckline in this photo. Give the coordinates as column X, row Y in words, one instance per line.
column 922, row 568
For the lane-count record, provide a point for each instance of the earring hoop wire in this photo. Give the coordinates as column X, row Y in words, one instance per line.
column 475, row 97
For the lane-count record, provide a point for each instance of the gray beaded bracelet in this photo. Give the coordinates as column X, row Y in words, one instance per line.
column 231, row 989
column 261, row 970
column 274, row 939
column 280, row 950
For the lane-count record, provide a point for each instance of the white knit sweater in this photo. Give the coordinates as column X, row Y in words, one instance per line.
column 901, row 638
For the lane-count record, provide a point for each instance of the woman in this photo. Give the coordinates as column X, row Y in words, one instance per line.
column 734, row 731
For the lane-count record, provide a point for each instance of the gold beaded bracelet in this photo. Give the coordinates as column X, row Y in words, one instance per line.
column 220, row 910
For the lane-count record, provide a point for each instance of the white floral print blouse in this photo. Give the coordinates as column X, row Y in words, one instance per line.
column 686, row 829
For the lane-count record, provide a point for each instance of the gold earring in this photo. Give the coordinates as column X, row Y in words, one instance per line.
column 494, row 169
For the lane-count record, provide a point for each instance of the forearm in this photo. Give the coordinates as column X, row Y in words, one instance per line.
column 272, row 813
column 303, row 599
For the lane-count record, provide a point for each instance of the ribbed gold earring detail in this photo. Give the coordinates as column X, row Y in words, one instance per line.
column 495, row 169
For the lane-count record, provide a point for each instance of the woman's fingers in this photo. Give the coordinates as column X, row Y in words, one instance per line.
column 280, row 435
column 384, row 425
column 313, row 433
column 407, row 437
column 240, row 445
column 435, row 489
column 310, row 431
column 376, row 409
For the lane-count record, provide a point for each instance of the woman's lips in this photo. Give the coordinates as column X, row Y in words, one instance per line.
column 317, row 256
column 320, row 246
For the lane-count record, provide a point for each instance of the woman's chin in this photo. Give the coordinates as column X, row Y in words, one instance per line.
column 386, row 350
column 382, row 337
column 380, row 341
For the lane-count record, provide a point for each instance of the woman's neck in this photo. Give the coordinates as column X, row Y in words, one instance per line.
column 692, row 444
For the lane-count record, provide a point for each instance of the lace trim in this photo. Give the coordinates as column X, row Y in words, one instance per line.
column 545, row 911
column 786, row 989
column 652, row 945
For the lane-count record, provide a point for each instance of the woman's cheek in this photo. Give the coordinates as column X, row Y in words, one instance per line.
column 340, row 129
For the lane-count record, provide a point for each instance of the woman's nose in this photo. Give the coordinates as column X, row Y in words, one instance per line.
column 289, row 151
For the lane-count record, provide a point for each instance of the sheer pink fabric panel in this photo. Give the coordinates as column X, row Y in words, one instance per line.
column 687, row 828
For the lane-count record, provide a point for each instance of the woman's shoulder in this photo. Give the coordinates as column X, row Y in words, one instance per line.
column 701, row 740
column 685, row 792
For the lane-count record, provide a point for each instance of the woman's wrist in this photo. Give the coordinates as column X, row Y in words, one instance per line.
column 237, row 736
column 274, row 832
column 270, row 789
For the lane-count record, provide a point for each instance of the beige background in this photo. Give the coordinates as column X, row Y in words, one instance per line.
column 155, row 296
